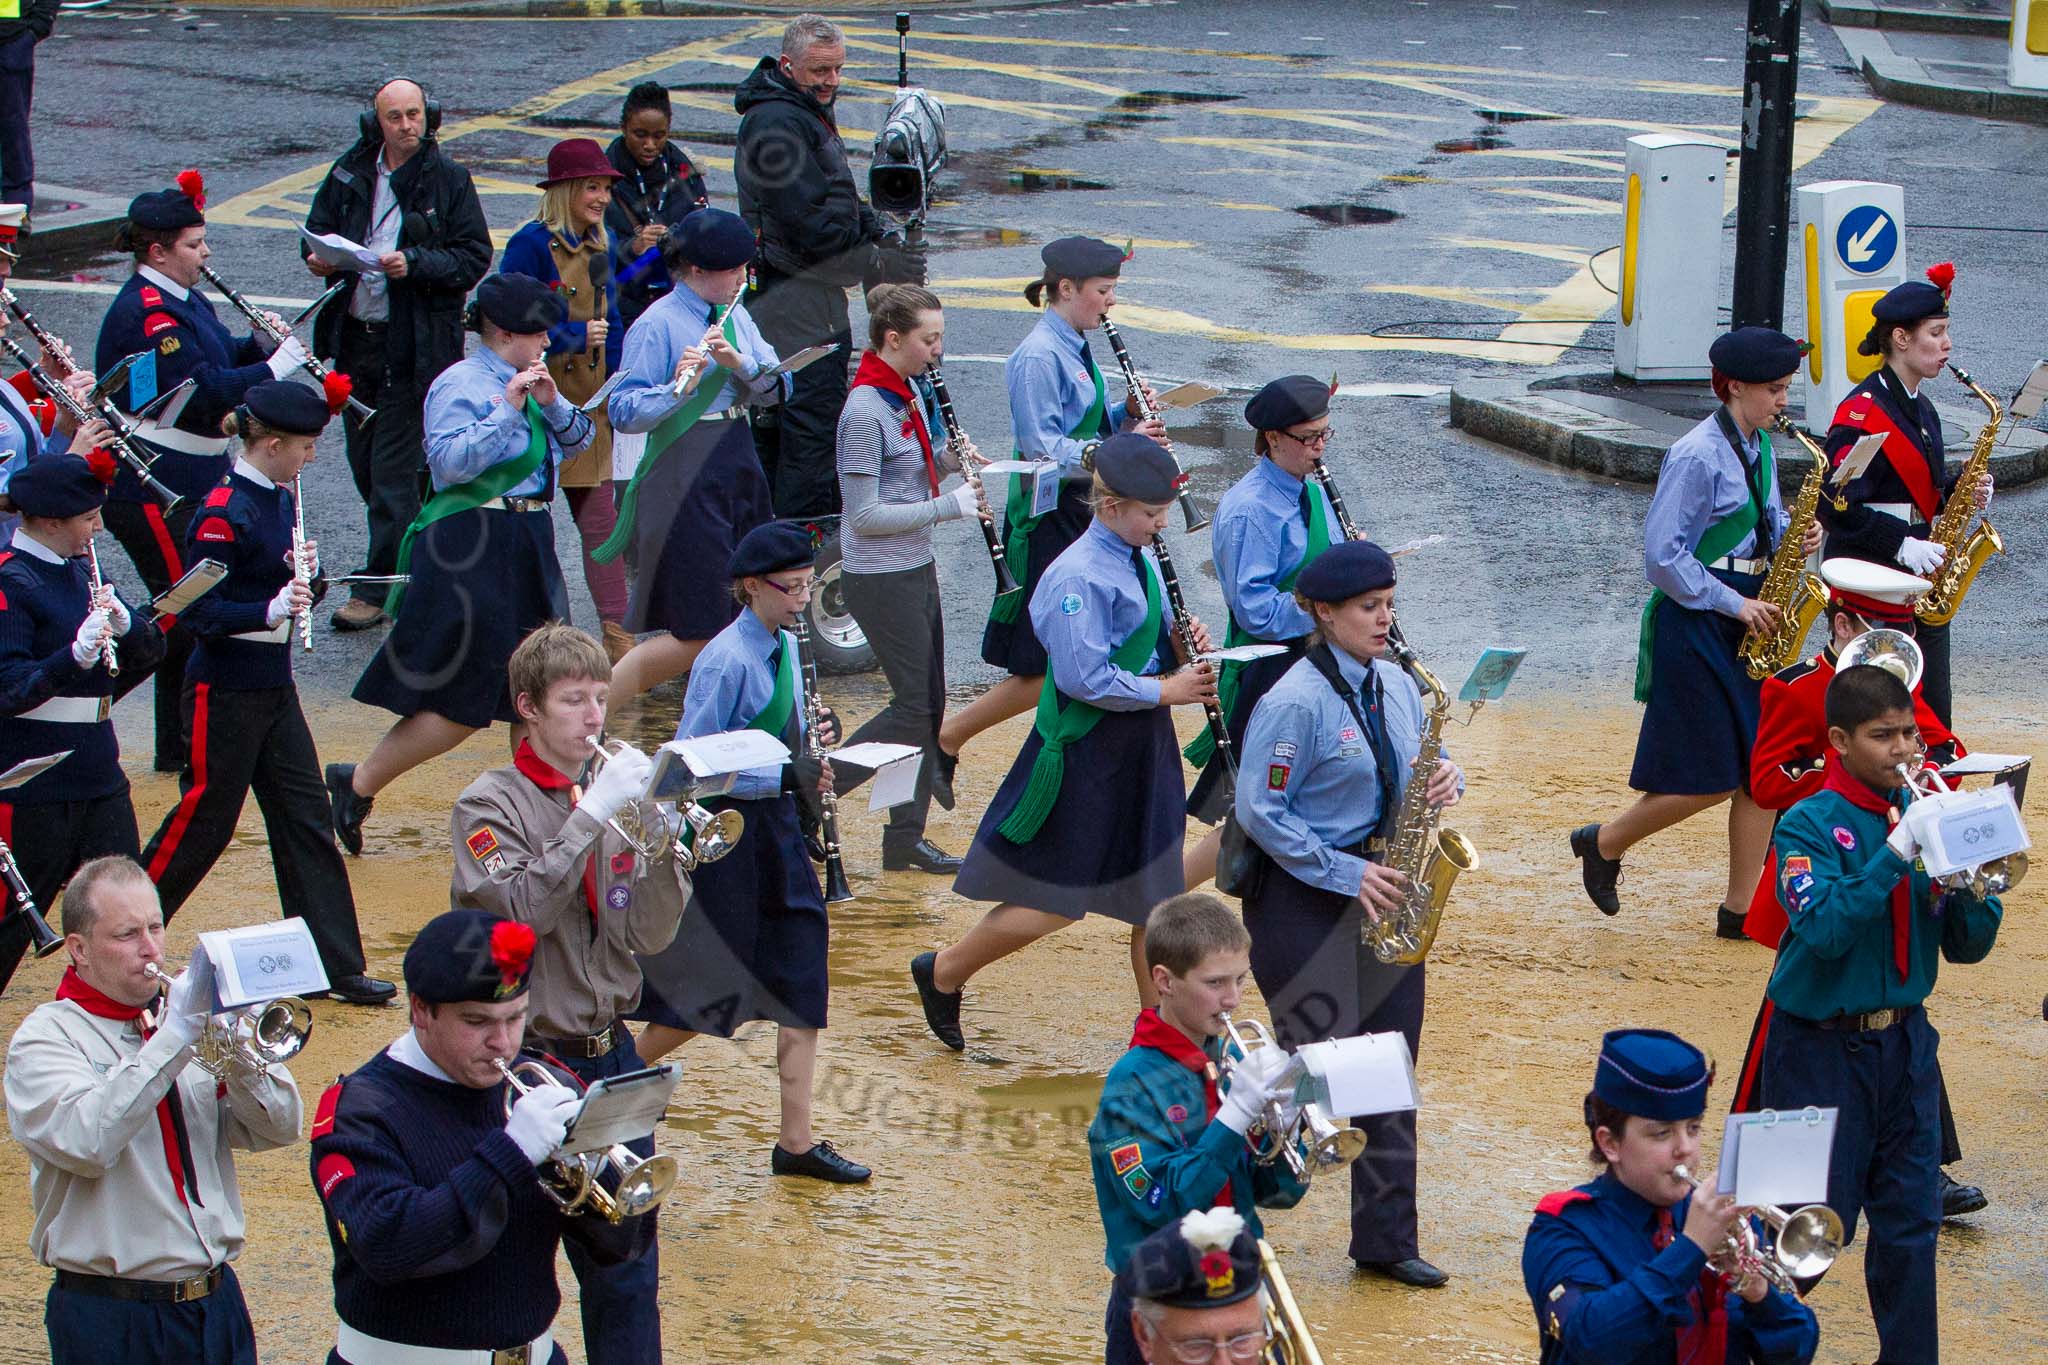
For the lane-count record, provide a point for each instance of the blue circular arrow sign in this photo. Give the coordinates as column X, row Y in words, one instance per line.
column 1867, row 239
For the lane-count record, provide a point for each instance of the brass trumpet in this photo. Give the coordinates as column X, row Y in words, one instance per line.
column 248, row 1040
column 705, row 836
column 573, row 1180
column 1804, row 1243
column 1313, row 1141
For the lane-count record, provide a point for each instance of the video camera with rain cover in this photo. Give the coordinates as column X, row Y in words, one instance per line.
column 909, row 150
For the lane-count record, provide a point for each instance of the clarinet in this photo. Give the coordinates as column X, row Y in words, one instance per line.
column 1006, row 582
column 836, row 888
column 42, row 937
column 1184, row 631
column 1190, row 514
column 311, row 364
column 122, row 436
column 1349, row 530
column 52, row 345
column 301, row 571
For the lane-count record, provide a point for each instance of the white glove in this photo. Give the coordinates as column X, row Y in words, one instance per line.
column 280, row 605
column 1251, row 1087
column 540, row 1119
column 1920, row 556
column 118, row 615
column 289, row 355
column 959, row 503
column 1909, row 836
column 91, row 637
column 1903, row 841
column 185, row 1010
column 624, row 777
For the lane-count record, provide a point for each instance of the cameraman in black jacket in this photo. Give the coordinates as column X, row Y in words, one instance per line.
column 817, row 239
column 392, row 331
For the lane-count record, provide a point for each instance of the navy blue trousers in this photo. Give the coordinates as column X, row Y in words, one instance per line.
column 17, row 86
column 88, row 1329
column 1121, row 1346
column 1887, row 1151
column 620, row 1303
column 1321, row 982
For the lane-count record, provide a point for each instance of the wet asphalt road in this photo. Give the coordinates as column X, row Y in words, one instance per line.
column 1302, row 182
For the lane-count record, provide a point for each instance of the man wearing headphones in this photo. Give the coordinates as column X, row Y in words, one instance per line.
column 392, row 330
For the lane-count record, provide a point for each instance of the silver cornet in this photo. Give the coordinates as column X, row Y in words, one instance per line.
column 1313, row 1142
column 1992, row 878
column 1804, row 1243
column 573, row 1180
column 248, row 1040
column 693, row 835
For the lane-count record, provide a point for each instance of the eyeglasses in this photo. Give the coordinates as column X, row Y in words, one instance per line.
column 803, row 589
column 1313, row 438
column 1202, row 1350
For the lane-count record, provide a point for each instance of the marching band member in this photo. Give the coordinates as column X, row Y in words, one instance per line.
column 443, row 1237
column 658, row 186
column 529, row 848
column 1336, row 737
column 1893, row 503
column 160, row 313
column 30, row 424
column 56, row 692
column 1058, row 404
column 1192, row 1291
column 1860, row 954
column 892, row 455
column 698, row 487
column 481, row 553
column 1789, row 764
column 754, row 937
column 1091, row 817
column 131, row 1148
column 1167, row 1139
column 1713, row 524
column 1268, row 528
column 242, row 706
column 1617, row 1268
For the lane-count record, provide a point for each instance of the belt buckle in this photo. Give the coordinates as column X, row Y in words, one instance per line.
column 106, row 708
column 1879, row 1020
column 198, row 1287
column 513, row 1355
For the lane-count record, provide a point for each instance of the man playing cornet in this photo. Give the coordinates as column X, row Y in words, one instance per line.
column 131, row 1165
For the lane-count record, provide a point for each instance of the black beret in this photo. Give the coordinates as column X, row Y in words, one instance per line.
column 519, row 303
column 165, row 211
column 767, row 548
column 1288, row 401
column 1755, row 355
column 1134, row 465
column 1908, row 303
column 712, row 239
column 1169, row 1268
column 288, row 406
column 1083, row 258
column 1345, row 570
column 1652, row 1074
column 465, row 955
column 62, row 485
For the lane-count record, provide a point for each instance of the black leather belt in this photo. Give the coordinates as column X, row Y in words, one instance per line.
column 1873, row 1021
column 143, row 1291
column 372, row 328
column 603, row 1043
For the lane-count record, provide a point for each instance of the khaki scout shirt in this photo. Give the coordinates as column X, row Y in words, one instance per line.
column 520, row 852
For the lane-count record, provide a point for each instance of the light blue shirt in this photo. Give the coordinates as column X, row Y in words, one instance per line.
column 655, row 345
column 1087, row 604
column 730, row 684
column 471, row 427
column 1258, row 535
column 1309, row 785
column 1050, row 391
column 1702, row 481
column 21, row 436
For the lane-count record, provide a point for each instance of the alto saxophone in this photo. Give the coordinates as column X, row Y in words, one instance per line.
column 1430, row 856
column 1969, row 545
column 1797, row 594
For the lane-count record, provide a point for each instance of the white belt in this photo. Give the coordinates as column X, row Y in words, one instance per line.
column 275, row 635
column 513, row 505
column 1730, row 564
column 1904, row 511
column 170, row 438
column 71, row 710
column 726, row 415
column 360, row 1348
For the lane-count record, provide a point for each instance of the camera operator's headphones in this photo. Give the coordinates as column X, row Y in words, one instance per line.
column 368, row 120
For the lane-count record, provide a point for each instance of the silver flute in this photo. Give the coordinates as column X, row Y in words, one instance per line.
column 108, row 644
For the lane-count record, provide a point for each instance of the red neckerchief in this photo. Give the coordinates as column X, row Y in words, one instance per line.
column 1153, row 1032
column 1899, row 448
column 170, row 1119
column 1704, row 1339
column 879, row 373
column 1858, row 794
column 542, row 774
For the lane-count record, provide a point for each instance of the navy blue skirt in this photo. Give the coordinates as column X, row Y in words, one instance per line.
column 753, row 939
column 482, row 580
column 691, row 510
column 1700, row 722
column 1112, row 844
column 1014, row 645
column 1211, row 795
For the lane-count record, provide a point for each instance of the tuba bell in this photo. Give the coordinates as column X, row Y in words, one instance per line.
column 575, row 1180
column 248, row 1040
column 1896, row 652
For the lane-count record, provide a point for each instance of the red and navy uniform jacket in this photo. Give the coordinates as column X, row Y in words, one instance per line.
column 186, row 341
column 248, row 528
column 41, row 605
column 1604, row 1294
column 441, row 1233
column 1909, row 469
column 1788, row 763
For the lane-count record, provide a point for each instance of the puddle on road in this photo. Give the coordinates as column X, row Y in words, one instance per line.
column 1348, row 215
column 1027, row 181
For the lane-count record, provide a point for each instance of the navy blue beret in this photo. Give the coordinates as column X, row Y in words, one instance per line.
column 164, row 211
column 1134, row 465
column 62, row 485
column 469, row 955
column 770, row 547
column 1755, row 355
column 1905, row 304
column 288, row 406
column 1652, row 1074
column 1169, row 1269
column 1345, row 570
column 1286, row 402
column 712, row 239
column 519, row 303
column 1082, row 258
